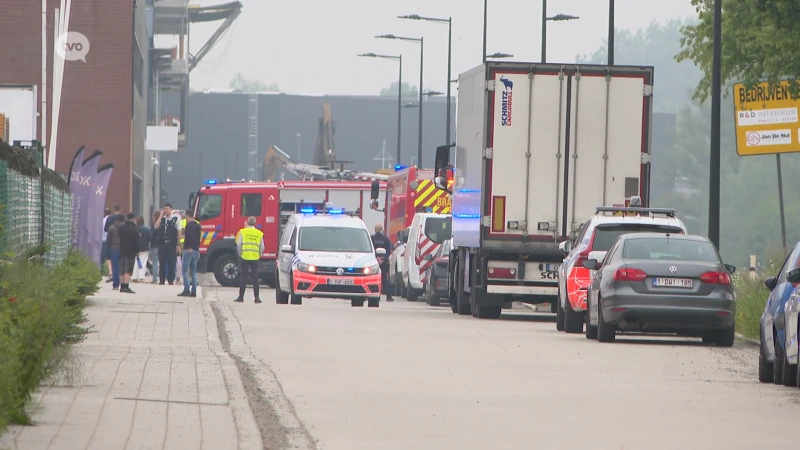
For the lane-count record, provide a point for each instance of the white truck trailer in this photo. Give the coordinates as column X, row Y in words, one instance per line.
column 538, row 148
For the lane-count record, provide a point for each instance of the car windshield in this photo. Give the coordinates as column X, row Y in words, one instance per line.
column 335, row 239
column 671, row 248
column 439, row 229
column 606, row 235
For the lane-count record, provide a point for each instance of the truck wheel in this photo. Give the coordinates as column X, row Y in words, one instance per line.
column 356, row 302
column 487, row 312
column 573, row 320
column 281, row 298
column 226, row 270
column 374, row 302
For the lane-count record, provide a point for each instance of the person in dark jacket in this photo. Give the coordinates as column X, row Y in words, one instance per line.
column 110, row 219
column 167, row 237
column 140, row 269
column 128, row 250
column 191, row 255
column 380, row 240
column 154, row 244
column 114, row 247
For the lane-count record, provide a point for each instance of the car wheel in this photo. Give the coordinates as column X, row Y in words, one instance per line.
column 591, row 330
column 777, row 364
column 573, row 320
column 766, row 371
column 726, row 337
column 605, row 331
column 294, row 298
column 789, row 373
column 374, row 302
column 281, row 298
column 560, row 316
column 357, row 302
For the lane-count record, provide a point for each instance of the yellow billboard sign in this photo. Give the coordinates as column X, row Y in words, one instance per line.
column 766, row 119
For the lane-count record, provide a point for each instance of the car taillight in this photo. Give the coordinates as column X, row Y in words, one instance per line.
column 629, row 275
column 499, row 272
column 715, row 278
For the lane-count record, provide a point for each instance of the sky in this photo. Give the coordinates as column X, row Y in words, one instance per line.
column 310, row 46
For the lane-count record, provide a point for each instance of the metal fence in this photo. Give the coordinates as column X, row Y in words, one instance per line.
column 36, row 203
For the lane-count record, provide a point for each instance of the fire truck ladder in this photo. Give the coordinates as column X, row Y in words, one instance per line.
column 311, row 172
column 252, row 151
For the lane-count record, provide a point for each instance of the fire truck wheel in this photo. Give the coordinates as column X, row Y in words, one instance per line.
column 226, row 271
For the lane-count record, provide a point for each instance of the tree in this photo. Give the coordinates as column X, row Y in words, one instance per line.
column 408, row 90
column 758, row 42
column 654, row 46
column 243, row 84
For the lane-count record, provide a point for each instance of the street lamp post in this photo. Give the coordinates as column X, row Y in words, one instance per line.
column 449, row 22
column 716, row 94
column 556, row 18
column 421, row 60
column 485, row 14
column 610, row 32
column 399, row 94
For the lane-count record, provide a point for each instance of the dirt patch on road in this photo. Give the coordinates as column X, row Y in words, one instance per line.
column 275, row 434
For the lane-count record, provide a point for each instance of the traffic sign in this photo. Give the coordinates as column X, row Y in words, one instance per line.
column 766, row 119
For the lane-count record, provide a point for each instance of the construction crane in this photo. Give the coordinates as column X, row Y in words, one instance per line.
column 277, row 158
column 325, row 153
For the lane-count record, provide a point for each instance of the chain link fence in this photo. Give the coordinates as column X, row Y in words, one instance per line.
column 36, row 203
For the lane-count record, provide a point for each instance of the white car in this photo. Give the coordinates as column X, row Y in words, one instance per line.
column 327, row 253
column 428, row 232
column 595, row 238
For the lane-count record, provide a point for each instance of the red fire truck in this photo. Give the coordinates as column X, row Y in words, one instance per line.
column 223, row 207
column 410, row 190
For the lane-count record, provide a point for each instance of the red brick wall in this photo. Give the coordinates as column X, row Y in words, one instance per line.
column 96, row 95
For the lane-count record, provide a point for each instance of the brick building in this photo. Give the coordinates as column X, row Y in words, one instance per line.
column 104, row 100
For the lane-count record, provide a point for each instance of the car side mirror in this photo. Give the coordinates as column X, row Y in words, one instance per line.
column 730, row 268
column 287, row 248
column 591, row 264
column 428, row 257
column 565, row 246
column 380, row 251
column 770, row 282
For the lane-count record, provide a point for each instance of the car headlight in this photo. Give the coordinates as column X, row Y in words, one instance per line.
column 303, row 267
column 371, row 270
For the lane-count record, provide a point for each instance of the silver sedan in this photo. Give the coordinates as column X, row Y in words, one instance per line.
column 662, row 283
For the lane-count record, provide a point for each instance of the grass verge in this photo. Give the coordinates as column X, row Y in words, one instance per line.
column 41, row 317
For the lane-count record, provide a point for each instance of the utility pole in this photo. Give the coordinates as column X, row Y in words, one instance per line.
column 714, row 163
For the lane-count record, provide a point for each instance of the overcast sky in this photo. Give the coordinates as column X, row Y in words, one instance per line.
column 310, row 46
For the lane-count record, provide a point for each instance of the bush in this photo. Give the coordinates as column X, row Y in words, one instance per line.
column 41, row 312
column 751, row 297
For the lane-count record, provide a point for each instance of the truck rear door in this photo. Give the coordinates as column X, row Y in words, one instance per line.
column 563, row 141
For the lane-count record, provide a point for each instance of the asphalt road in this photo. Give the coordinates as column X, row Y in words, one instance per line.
column 409, row 376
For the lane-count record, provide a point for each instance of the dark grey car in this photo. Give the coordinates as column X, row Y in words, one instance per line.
column 662, row 283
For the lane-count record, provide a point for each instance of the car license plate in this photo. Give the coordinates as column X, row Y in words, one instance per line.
column 552, row 268
column 672, row 282
column 339, row 281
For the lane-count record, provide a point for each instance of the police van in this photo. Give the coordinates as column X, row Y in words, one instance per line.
column 327, row 253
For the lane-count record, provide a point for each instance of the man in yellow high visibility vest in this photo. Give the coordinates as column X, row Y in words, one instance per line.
column 183, row 227
column 250, row 243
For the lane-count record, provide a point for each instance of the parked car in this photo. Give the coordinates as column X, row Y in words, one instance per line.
column 792, row 320
column 595, row 238
column 773, row 365
column 436, row 282
column 662, row 283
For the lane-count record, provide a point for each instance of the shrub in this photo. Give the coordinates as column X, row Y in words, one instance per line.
column 41, row 312
column 751, row 297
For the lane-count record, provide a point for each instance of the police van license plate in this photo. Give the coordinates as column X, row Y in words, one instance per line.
column 339, row 281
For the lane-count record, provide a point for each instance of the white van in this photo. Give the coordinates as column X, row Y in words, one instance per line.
column 428, row 232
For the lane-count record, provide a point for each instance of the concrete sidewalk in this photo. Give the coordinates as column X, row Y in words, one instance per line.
column 153, row 375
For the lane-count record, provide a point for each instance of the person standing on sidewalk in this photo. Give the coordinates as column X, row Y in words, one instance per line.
column 140, row 269
column 104, row 259
column 128, row 250
column 154, row 244
column 250, row 243
column 110, row 219
column 190, row 237
column 380, row 240
column 167, row 225
column 114, row 247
